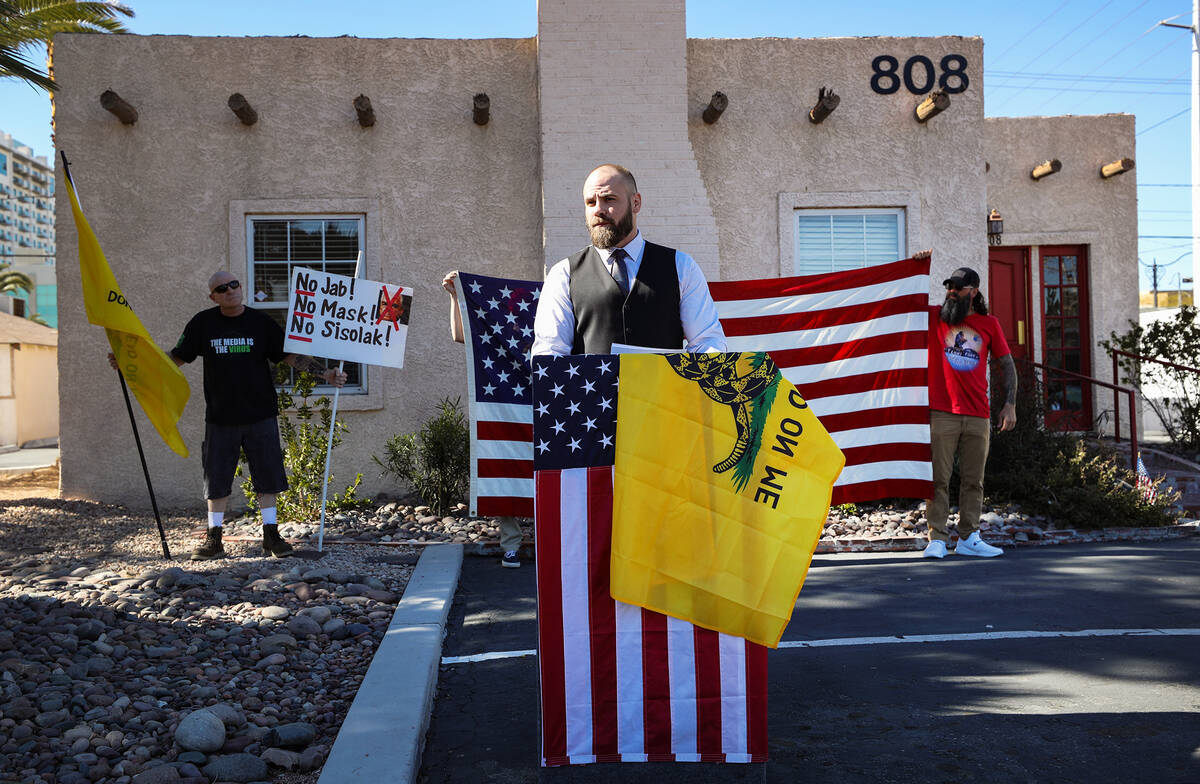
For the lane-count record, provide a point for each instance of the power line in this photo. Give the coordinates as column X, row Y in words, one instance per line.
column 1164, row 185
column 1088, row 77
column 1150, row 57
column 1182, row 111
column 1062, row 90
column 1107, row 59
column 1029, row 32
column 1064, row 37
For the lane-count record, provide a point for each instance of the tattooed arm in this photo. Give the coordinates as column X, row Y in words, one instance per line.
column 1008, row 413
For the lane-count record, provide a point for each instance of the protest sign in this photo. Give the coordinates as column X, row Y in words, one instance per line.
column 355, row 320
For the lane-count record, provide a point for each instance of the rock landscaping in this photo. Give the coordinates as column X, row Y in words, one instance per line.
column 119, row 666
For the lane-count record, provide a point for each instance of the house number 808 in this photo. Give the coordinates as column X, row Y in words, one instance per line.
column 918, row 74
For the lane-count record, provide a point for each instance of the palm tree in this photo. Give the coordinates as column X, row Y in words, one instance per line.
column 12, row 281
column 28, row 24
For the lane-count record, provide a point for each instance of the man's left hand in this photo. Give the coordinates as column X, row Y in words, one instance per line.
column 1008, row 417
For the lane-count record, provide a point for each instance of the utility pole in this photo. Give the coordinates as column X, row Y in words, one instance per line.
column 1154, row 281
column 1194, row 27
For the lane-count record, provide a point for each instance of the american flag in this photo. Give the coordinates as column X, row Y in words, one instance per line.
column 1144, row 482
column 498, row 321
column 619, row 683
column 854, row 343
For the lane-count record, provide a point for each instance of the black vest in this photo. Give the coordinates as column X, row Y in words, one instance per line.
column 648, row 316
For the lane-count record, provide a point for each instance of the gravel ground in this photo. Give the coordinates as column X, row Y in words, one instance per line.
column 106, row 648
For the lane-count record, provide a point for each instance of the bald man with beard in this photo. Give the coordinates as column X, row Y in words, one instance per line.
column 621, row 288
column 962, row 337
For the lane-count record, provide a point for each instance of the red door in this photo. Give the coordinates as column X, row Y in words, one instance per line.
column 1008, row 296
column 1066, row 335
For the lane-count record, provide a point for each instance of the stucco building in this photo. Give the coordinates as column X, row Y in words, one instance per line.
column 27, row 239
column 28, row 368
column 763, row 191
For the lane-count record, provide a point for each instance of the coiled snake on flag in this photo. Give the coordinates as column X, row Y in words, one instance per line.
column 718, row 377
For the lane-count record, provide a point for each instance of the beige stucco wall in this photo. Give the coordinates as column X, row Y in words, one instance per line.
column 168, row 196
column 1076, row 206
column 8, row 400
column 439, row 193
column 35, row 377
column 763, row 158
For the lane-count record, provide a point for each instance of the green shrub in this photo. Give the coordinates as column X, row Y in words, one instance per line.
column 304, row 439
column 436, row 460
column 1073, row 482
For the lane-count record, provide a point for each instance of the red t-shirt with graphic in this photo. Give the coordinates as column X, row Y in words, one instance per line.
column 958, row 360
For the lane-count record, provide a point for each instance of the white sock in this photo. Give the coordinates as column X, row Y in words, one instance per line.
column 215, row 519
column 268, row 515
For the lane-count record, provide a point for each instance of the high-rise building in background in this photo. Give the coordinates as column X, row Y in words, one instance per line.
column 27, row 228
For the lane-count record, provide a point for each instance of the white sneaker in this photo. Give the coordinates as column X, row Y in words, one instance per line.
column 973, row 545
column 935, row 549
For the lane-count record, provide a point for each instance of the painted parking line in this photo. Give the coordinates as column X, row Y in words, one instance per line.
column 896, row 639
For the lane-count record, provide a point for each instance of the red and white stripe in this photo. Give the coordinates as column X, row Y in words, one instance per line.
column 855, row 344
column 623, row 684
column 501, row 457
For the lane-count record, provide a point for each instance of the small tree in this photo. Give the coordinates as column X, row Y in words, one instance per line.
column 436, row 460
column 1175, row 340
column 304, row 454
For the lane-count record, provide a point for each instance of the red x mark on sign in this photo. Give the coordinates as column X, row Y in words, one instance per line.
column 391, row 308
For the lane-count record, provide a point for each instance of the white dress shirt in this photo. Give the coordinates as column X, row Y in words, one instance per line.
column 554, row 324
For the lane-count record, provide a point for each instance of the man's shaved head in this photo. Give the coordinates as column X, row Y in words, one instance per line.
column 625, row 175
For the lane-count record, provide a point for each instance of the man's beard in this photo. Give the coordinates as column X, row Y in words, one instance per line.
column 606, row 235
column 956, row 309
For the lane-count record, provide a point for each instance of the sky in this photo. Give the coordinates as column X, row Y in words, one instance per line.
column 1041, row 57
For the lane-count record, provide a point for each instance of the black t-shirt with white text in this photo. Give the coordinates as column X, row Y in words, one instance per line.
column 238, row 351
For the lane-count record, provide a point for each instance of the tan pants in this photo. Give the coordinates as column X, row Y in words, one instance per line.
column 967, row 437
column 510, row 533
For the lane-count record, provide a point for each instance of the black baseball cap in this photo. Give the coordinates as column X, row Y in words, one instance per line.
column 962, row 277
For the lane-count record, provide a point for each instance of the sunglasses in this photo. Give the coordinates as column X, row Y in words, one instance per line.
column 233, row 284
column 951, row 287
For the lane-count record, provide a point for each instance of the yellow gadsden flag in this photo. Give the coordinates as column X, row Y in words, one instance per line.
column 155, row 379
column 721, row 487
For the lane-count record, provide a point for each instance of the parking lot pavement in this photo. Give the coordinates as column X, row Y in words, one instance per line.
column 853, row 698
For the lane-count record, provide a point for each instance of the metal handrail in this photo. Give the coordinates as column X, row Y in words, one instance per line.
column 1140, row 358
column 1115, row 351
column 1117, row 390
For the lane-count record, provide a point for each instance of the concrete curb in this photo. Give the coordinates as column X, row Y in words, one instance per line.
column 384, row 731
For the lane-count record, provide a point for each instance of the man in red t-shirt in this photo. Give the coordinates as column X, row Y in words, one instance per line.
column 962, row 336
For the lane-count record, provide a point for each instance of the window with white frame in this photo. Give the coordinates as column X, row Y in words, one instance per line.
column 275, row 245
column 830, row 240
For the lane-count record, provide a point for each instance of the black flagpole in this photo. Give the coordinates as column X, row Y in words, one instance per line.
column 162, row 536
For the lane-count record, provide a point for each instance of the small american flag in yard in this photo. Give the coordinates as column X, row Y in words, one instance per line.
column 1144, row 482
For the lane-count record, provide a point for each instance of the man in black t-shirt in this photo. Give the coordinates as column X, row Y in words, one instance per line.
column 239, row 344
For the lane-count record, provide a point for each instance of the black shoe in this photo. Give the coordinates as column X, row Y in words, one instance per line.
column 273, row 544
column 212, row 547
column 511, row 560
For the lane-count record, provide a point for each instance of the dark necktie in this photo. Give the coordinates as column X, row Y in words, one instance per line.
column 620, row 272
